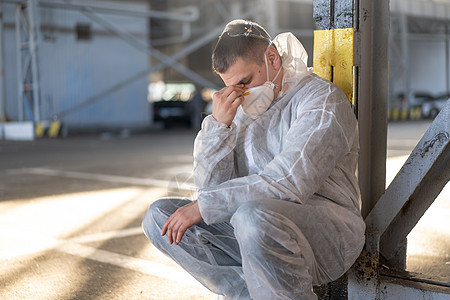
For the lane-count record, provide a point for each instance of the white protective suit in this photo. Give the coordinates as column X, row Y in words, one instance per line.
column 279, row 195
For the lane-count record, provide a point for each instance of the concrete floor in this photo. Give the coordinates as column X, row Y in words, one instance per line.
column 70, row 213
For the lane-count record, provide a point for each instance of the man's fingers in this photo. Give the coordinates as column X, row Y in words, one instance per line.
column 171, row 228
column 175, row 229
column 177, row 224
column 164, row 228
column 233, row 96
column 235, row 92
column 180, row 234
column 166, row 225
column 224, row 94
column 169, row 236
column 238, row 101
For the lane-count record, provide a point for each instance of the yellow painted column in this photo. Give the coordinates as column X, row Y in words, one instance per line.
column 333, row 58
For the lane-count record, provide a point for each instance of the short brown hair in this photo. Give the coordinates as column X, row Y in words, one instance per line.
column 240, row 38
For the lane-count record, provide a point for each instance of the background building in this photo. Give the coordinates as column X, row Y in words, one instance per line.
column 95, row 60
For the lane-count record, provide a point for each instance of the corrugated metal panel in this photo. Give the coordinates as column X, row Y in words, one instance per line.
column 72, row 71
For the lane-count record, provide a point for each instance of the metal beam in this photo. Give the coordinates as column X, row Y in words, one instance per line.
column 185, row 51
column 200, row 42
column 184, row 14
column 142, row 47
column 415, row 187
column 27, row 65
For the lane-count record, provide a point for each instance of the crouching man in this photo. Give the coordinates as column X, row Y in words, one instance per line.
column 278, row 206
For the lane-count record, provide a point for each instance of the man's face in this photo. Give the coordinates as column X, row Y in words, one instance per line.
column 245, row 74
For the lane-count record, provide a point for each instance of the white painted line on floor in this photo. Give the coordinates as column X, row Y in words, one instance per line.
column 29, row 249
column 38, row 243
column 107, row 178
column 131, row 263
column 23, row 242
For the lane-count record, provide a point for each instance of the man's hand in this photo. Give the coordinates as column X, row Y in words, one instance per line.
column 183, row 218
column 225, row 104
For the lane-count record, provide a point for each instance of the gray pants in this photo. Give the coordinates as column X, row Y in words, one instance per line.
column 265, row 251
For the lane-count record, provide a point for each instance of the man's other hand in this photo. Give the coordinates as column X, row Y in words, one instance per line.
column 183, row 218
column 225, row 104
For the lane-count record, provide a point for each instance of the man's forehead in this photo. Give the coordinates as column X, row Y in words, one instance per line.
column 238, row 72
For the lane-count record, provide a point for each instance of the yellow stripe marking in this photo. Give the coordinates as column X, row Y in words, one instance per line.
column 333, row 58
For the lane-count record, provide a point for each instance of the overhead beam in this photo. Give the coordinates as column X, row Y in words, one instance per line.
column 184, row 14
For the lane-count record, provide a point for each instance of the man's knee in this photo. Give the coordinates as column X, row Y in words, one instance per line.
column 153, row 219
column 258, row 225
column 248, row 221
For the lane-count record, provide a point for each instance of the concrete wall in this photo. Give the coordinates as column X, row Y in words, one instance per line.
column 427, row 65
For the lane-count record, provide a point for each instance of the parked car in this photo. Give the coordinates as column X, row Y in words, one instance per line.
column 419, row 98
column 178, row 104
column 431, row 108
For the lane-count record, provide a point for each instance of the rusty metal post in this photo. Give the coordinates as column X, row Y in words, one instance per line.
column 371, row 52
column 372, row 45
column 364, row 24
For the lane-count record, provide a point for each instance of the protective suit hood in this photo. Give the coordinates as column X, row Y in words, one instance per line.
column 294, row 60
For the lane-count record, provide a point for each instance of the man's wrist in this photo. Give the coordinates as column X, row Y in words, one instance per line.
column 210, row 122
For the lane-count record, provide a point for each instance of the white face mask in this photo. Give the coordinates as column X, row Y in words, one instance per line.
column 259, row 98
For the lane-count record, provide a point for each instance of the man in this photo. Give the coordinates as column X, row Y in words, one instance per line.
column 278, row 206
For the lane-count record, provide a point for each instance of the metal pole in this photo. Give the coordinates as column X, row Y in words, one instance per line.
column 33, row 32
column 371, row 54
column 447, row 60
column 405, row 55
column 372, row 99
column 2, row 71
column 19, row 61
